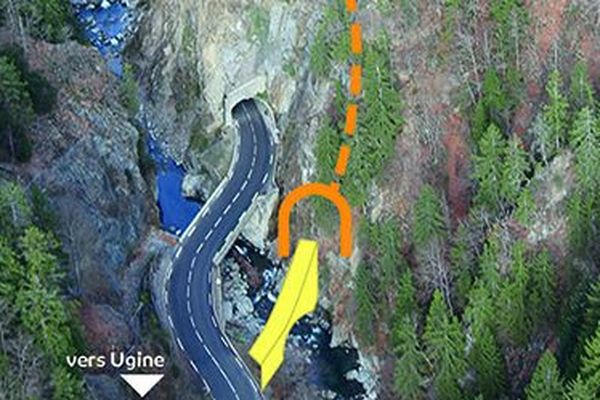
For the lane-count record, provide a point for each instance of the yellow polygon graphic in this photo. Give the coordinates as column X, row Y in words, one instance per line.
column 298, row 297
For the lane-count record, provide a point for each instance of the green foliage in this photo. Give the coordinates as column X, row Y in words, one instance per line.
column 580, row 213
column 581, row 90
column 590, row 364
column 129, row 91
column 525, row 207
column 30, row 281
column 429, row 222
column 585, row 140
column 379, row 124
column 331, row 43
column 406, row 305
column 23, row 93
column 579, row 390
column 488, row 168
column 495, row 98
column 408, row 373
column 384, row 239
column 15, row 212
column 555, row 113
column 546, row 383
column 328, row 144
column 444, row 346
column 485, row 356
column 51, row 20
column 487, row 361
column 66, row 386
column 16, row 107
column 512, row 298
column 365, row 305
column 542, row 288
column 462, row 261
column 511, row 22
column 514, row 170
column 258, row 29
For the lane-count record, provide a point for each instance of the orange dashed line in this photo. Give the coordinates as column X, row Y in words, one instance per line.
column 355, row 80
column 355, row 38
column 351, row 118
column 352, row 5
column 342, row 161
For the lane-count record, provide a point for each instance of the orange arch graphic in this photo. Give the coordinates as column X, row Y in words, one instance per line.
column 329, row 192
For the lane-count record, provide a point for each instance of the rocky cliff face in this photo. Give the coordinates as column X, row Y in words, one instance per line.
column 85, row 158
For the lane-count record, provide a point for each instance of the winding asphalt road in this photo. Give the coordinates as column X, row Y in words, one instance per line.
column 190, row 307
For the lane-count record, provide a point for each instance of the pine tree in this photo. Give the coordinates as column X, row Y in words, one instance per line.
column 542, row 138
column 525, row 208
column 408, row 376
column 579, row 390
column 546, row 383
column 542, row 291
column 406, row 304
column 582, row 93
column 16, row 107
column 461, row 259
column 487, row 361
column 488, row 168
column 585, row 141
column 380, row 123
column 429, row 222
column 591, row 316
column 485, row 356
column 512, row 298
column 445, row 346
column 555, row 111
column 494, row 96
column 365, row 307
column 488, row 263
column 590, row 365
column 514, row 170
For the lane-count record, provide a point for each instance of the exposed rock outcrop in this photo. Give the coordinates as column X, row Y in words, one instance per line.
column 85, row 159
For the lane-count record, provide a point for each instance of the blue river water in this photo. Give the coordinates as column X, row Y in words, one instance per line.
column 176, row 211
column 105, row 26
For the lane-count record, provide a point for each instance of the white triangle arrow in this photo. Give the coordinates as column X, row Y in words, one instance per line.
column 142, row 383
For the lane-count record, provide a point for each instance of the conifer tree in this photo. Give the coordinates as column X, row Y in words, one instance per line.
column 585, row 140
column 485, row 356
column 365, row 307
column 582, row 93
column 408, row 375
column 429, row 222
column 494, row 96
column 488, row 263
column 591, row 317
column 555, row 111
column 488, row 168
column 512, row 298
column 514, row 170
column 380, row 122
column 542, row 292
column 461, row 259
column 542, row 138
column 579, row 390
column 406, row 305
column 546, row 383
column 525, row 207
column 16, row 107
column 590, row 364
column 444, row 346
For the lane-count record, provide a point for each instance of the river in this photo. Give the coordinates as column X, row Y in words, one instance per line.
column 107, row 25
